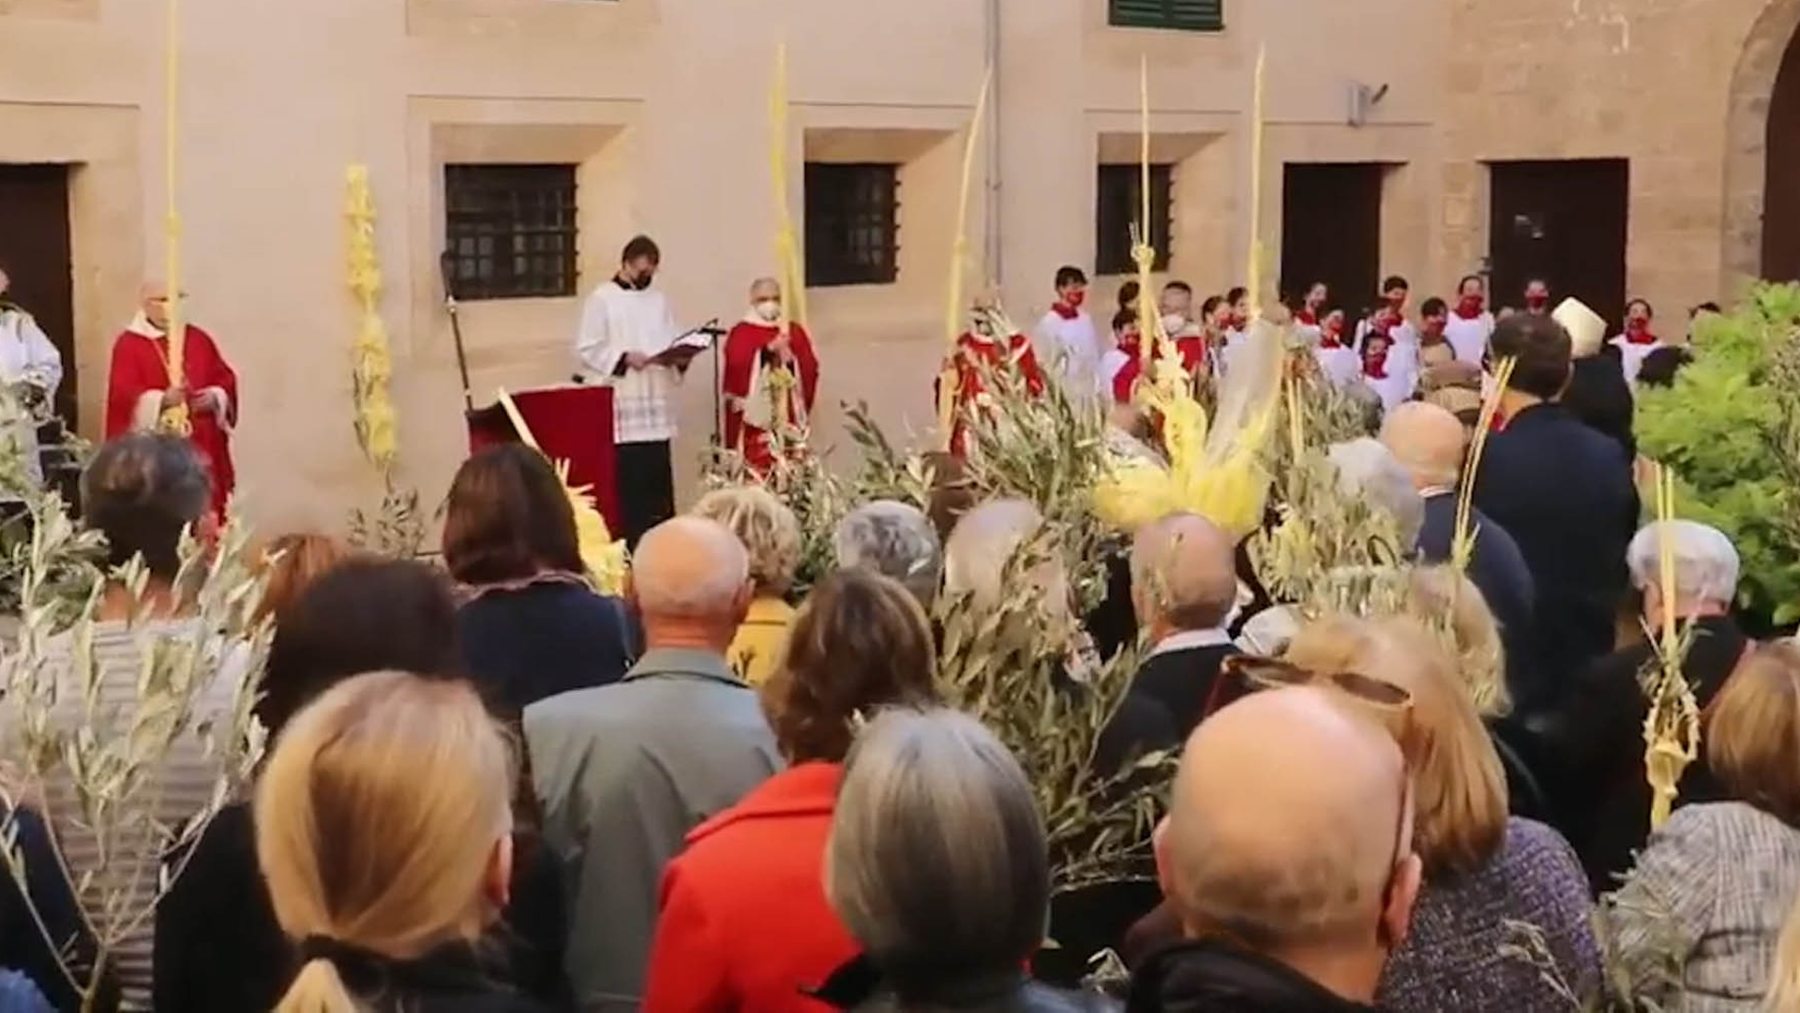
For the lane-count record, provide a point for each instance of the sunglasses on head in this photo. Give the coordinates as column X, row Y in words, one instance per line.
column 1244, row 674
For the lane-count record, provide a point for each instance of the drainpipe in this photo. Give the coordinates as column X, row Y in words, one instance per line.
column 993, row 245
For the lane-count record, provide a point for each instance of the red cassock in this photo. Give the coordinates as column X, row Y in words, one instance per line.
column 747, row 342
column 140, row 374
column 973, row 356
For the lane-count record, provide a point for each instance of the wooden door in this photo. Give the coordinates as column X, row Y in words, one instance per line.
column 34, row 251
column 1331, row 232
column 1564, row 222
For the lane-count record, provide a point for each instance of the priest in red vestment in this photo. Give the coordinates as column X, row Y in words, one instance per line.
column 139, row 389
column 991, row 343
column 755, row 351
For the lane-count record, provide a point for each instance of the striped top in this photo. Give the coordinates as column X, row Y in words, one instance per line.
column 148, row 811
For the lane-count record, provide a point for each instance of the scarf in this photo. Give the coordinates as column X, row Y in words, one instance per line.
column 1066, row 312
column 1331, row 337
column 1469, row 307
column 1307, row 317
column 1639, row 334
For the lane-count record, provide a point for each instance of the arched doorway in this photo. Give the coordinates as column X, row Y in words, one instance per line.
column 1781, row 180
column 1762, row 160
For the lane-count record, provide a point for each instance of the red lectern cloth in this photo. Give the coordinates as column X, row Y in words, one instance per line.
column 571, row 423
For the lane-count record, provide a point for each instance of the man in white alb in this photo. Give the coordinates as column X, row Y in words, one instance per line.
column 1066, row 338
column 627, row 328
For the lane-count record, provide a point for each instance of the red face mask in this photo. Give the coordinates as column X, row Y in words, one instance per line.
column 1469, row 307
column 1074, row 299
column 1638, row 331
column 1536, row 301
column 1375, row 363
column 1331, row 334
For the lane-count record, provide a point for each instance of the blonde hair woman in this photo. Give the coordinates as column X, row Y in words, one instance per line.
column 1718, row 881
column 1483, row 870
column 771, row 535
column 384, row 828
column 1473, row 634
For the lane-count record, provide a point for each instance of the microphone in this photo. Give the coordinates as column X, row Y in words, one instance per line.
column 711, row 328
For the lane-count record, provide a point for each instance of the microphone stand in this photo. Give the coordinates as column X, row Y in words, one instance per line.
column 462, row 359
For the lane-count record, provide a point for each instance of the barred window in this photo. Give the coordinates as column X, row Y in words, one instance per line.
column 510, row 230
column 1117, row 209
column 852, row 223
column 1190, row 15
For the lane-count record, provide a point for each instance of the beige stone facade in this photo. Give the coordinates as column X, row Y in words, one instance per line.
column 663, row 105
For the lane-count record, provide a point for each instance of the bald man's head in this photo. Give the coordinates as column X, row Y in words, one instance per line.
column 1428, row 442
column 690, row 574
column 1183, row 574
column 764, row 288
column 1284, row 825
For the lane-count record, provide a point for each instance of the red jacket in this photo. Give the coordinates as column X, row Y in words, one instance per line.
column 745, row 924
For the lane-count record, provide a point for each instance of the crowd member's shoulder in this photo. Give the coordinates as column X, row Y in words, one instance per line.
column 1538, row 844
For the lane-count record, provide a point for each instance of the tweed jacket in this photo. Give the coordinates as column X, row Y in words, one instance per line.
column 1714, row 885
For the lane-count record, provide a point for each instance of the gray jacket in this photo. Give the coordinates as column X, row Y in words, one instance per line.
column 1712, row 891
column 624, row 772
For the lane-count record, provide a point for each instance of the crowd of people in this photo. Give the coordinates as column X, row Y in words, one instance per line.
column 489, row 787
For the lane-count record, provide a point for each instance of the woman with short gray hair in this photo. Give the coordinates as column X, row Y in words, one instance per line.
column 938, row 867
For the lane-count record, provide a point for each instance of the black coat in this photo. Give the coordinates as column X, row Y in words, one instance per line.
column 1182, row 681
column 1498, row 569
column 523, row 645
column 1599, row 396
column 1597, row 741
column 1565, row 494
column 1216, row 977
column 219, row 948
column 450, row 979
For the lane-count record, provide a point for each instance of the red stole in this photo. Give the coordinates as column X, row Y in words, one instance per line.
column 746, row 342
column 140, row 367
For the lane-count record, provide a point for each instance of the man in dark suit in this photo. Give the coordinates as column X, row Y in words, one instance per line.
column 1183, row 584
column 1597, row 737
column 1564, row 492
column 1430, row 442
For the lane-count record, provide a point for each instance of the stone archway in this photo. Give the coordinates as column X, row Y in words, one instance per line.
column 1747, row 154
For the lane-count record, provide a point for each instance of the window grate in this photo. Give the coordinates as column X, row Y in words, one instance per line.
column 1117, row 209
column 852, row 223
column 1186, row 15
column 510, row 230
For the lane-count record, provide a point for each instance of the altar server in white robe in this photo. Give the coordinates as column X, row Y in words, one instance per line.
column 626, row 331
column 1637, row 342
column 1470, row 324
column 1068, row 345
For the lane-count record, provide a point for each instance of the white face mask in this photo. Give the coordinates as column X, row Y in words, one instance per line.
column 769, row 309
column 1173, row 322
